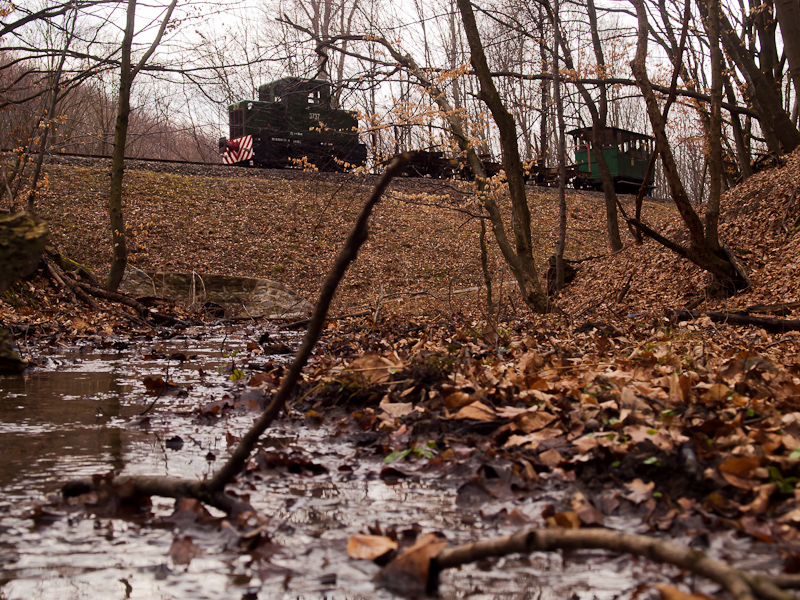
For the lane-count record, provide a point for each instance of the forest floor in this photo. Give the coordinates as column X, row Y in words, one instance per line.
column 691, row 424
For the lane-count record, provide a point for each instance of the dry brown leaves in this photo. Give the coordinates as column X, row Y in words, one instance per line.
column 686, row 421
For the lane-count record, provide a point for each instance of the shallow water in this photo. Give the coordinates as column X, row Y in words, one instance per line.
column 78, row 416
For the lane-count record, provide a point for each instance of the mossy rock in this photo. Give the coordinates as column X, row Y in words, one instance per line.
column 22, row 241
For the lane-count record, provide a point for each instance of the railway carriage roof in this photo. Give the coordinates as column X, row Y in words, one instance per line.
column 586, row 133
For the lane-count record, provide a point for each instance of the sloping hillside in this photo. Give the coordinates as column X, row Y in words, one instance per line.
column 760, row 220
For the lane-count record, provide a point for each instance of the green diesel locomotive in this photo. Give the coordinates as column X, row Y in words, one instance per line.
column 292, row 124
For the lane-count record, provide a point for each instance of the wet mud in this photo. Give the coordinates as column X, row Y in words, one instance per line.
column 98, row 407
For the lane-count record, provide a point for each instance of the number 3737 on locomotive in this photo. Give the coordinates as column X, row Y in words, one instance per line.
column 292, row 123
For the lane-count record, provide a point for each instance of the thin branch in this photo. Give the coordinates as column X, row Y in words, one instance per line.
column 741, row 585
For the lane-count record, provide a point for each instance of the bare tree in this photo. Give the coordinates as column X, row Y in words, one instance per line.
column 707, row 254
column 127, row 74
column 762, row 88
column 521, row 262
column 788, row 13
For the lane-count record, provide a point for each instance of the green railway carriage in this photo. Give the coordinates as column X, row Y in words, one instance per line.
column 292, row 123
column 627, row 154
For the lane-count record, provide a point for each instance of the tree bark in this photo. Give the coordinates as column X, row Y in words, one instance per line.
column 119, row 251
column 767, row 323
column 528, row 282
column 699, row 251
column 781, row 134
column 48, row 118
column 788, row 14
column 119, row 256
column 598, row 128
column 562, row 167
column 715, row 126
column 741, row 585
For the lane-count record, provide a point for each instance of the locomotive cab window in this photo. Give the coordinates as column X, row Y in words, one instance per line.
column 236, row 123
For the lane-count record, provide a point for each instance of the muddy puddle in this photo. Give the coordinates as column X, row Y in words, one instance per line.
column 81, row 414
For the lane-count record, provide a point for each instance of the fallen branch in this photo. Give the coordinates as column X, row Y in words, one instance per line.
column 212, row 491
column 741, row 585
column 768, row 323
column 86, row 291
column 784, row 308
column 357, row 237
column 143, row 310
column 625, row 288
column 64, row 282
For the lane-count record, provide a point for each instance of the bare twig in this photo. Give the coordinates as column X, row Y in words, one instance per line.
column 741, row 585
column 357, row 237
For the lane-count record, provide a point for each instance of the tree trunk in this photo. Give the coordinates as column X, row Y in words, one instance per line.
column 781, row 134
column 562, row 167
column 699, row 251
column 49, row 122
column 119, row 256
column 529, row 285
column 788, row 14
column 715, row 127
column 598, row 126
column 598, row 113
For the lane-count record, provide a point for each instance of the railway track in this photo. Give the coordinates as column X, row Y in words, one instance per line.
column 204, row 169
column 195, row 168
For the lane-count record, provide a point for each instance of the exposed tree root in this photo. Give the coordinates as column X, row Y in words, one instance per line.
column 768, row 323
column 85, row 292
column 741, row 585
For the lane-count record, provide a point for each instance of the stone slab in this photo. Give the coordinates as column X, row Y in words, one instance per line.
column 239, row 296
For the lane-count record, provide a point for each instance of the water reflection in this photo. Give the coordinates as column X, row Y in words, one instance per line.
column 77, row 421
column 53, row 426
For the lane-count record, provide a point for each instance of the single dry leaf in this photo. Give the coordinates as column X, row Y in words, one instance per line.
column 183, row 550
column 409, row 572
column 586, row 511
column 740, row 471
column 639, row 491
column 551, row 457
column 672, row 593
column 716, row 393
column 369, row 547
column 565, row 520
column 395, row 410
column 476, row 411
column 374, row 368
column 532, row 440
column 458, row 399
column 531, row 421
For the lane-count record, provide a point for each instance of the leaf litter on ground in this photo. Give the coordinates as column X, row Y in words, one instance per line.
column 692, row 426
